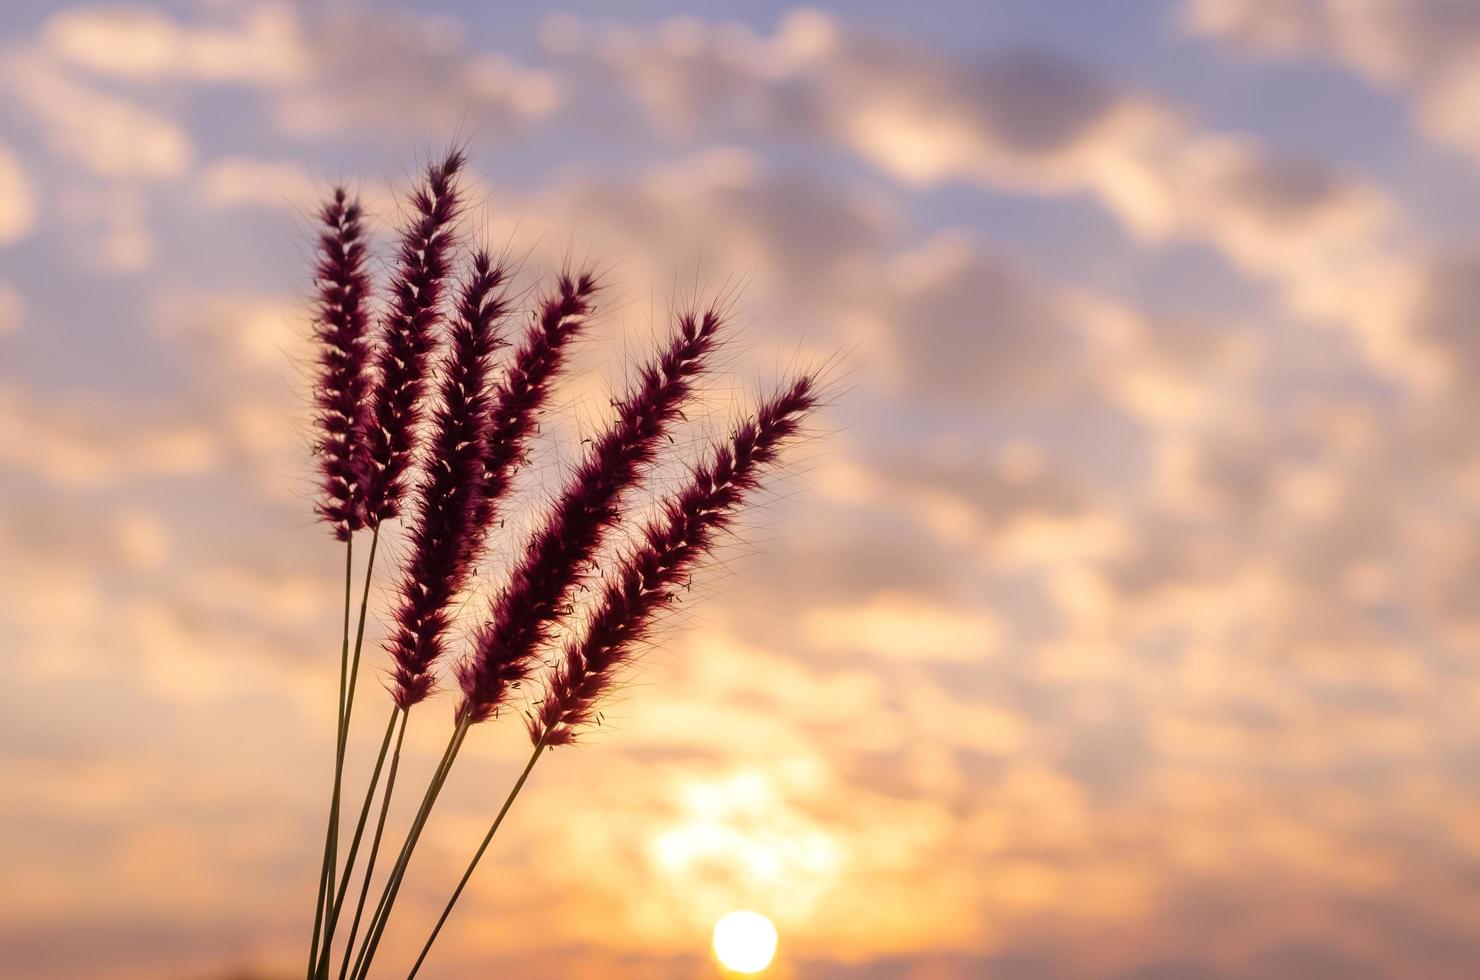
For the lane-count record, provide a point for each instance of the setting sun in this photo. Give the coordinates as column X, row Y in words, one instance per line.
column 744, row 942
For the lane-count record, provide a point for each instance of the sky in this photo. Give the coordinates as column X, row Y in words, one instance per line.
column 1116, row 619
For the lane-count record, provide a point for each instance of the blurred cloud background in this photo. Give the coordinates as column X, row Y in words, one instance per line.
column 1125, row 626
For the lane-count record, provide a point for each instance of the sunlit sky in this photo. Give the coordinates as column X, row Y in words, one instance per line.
column 1118, row 621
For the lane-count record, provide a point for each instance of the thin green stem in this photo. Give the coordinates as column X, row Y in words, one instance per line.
column 318, row 912
column 347, row 707
column 396, row 865
column 398, row 872
column 354, row 847
column 354, row 668
column 534, row 757
column 385, row 803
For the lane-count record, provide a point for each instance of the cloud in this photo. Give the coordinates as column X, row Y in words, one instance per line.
column 408, row 74
column 17, row 199
column 903, row 627
column 109, row 224
column 322, row 71
column 81, row 446
column 250, row 366
column 1034, row 123
column 950, row 322
column 966, row 324
column 12, row 308
column 104, row 133
column 1170, row 372
column 1017, row 508
column 143, row 44
column 1447, row 310
column 1427, row 49
column 244, row 335
column 795, row 241
column 234, row 182
column 142, row 538
column 1026, row 116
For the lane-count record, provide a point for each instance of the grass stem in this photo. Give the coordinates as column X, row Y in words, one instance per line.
column 337, row 905
column 354, row 667
column 385, row 803
column 413, row 834
column 478, row 856
column 319, row 903
column 349, row 670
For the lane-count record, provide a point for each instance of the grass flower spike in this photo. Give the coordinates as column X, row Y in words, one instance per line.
column 515, row 407
column 669, row 550
column 409, row 334
column 662, row 561
column 505, row 649
column 368, row 486
column 559, row 555
column 425, row 424
column 343, row 382
column 446, row 535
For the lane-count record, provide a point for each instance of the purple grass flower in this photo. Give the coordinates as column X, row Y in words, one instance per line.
column 340, row 324
column 515, row 406
column 446, row 536
column 662, row 560
column 408, row 337
column 558, row 556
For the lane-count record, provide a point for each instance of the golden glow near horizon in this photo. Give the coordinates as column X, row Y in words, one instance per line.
column 744, row 942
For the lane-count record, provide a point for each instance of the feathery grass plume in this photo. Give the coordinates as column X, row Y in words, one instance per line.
column 340, row 324
column 585, row 516
column 388, row 434
column 446, row 536
column 341, row 393
column 556, row 558
column 408, row 337
column 521, row 394
column 441, row 560
column 664, row 556
column 662, row 559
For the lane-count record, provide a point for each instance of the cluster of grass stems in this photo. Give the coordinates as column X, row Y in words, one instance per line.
column 420, row 420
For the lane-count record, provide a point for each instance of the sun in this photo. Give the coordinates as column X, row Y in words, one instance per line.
column 744, row 942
